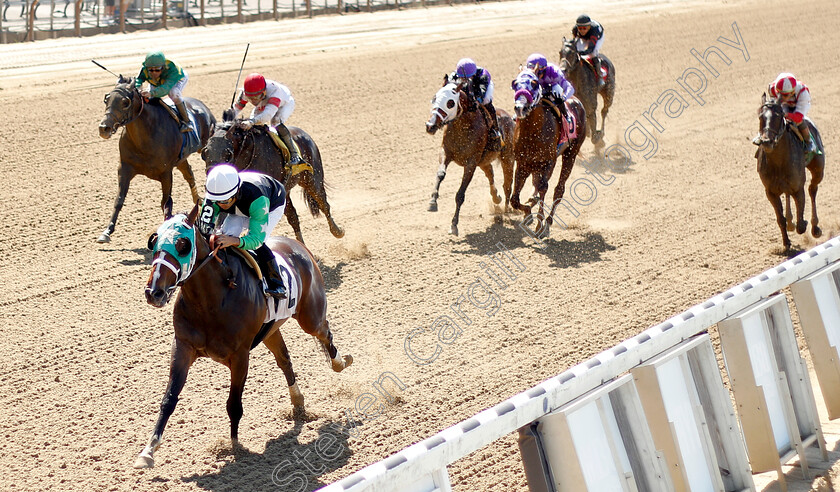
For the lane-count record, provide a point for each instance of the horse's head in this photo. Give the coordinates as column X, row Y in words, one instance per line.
column 771, row 121
column 569, row 56
column 225, row 142
column 122, row 105
column 446, row 107
column 174, row 252
column 527, row 93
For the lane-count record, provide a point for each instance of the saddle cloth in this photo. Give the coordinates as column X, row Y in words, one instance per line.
column 190, row 142
column 278, row 309
column 604, row 68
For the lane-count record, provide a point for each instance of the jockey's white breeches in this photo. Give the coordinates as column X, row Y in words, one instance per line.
column 582, row 45
column 283, row 113
column 235, row 225
column 176, row 91
column 488, row 96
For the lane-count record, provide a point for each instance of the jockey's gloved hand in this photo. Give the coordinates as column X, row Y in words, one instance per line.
column 558, row 94
column 246, row 124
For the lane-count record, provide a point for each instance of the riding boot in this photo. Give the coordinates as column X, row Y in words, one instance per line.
column 596, row 64
column 184, row 117
column 495, row 142
column 271, row 272
column 805, row 130
column 294, row 152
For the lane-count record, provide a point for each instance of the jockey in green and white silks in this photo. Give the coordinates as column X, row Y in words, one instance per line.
column 165, row 77
column 252, row 201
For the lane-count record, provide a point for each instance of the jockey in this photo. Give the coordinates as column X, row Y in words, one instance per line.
column 165, row 77
column 480, row 87
column 795, row 99
column 554, row 84
column 589, row 36
column 246, row 196
column 273, row 104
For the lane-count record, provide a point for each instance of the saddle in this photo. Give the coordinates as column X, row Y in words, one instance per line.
column 568, row 123
column 604, row 69
column 285, row 154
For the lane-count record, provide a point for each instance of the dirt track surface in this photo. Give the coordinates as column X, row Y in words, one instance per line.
column 84, row 360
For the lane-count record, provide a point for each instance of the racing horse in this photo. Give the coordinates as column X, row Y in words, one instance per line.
column 580, row 72
column 465, row 142
column 152, row 144
column 222, row 313
column 781, row 166
column 253, row 150
column 537, row 138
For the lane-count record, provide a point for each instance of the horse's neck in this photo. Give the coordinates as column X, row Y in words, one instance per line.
column 784, row 151
column 143, row 130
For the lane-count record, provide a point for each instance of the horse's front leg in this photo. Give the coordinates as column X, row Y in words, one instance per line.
column 186, row 170
column 560, row 189
column 125, row 173
column 776, row 203
column 518, row 182
column 183, row 356
column 441, row 173
column 788, row 214
column 292, row 217
column 799, row 200
column 469, row 171
column 238, row 375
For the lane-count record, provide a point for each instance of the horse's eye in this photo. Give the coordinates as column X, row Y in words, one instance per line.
column 450, row 103
column 534, row 84
column 183, row 246
column 105, row 100
column 126, row 103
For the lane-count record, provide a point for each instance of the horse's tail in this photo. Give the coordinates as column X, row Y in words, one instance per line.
column 318, row 177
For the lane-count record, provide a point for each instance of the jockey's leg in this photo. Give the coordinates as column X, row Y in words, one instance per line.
column 271, row 272
column 294, row 151
column 175, row 95
column 596, row 64
column 810, row 146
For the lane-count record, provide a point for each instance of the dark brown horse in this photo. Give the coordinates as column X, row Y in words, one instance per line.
column 781, row 167
column 254, row 150
column 581, row 74
column 221, row 313
column 465, row 142
column 536, row 143
column 151, row 144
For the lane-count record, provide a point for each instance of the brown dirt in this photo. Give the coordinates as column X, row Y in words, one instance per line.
column 84, row 360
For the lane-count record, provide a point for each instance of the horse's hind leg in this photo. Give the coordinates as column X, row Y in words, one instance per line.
column 292, row 217
column 816, row 168
column 469, row 171
column 312, row 189
column 125, row 173
column 187, row 171
column 313, row 320
column 277, row 345
column 487, row 167
column 182, row 358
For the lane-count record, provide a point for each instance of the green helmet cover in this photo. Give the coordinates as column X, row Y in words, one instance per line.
column 154, row 59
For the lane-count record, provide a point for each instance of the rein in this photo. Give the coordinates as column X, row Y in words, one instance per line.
column 205, row 261
column 130, row 96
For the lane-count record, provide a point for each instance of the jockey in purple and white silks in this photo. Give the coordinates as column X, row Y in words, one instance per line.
column 479, row 86
column 795, row 98
column 273, row 104
column 554, row 84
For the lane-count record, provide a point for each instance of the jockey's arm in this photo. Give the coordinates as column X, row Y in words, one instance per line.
column 257, row 224
column 803, row 104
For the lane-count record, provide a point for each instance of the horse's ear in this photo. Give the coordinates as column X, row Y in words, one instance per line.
column 763, row 97
column 123, row 80
column 229, row 114
column 445, row 79
column 192, row 216
column 152, row 241
column 513, row 84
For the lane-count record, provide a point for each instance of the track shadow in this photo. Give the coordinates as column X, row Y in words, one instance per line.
column 563, row 253
column 144, row 256
column 332, row 275
column 286, row 464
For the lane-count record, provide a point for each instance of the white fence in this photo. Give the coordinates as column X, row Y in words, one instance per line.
column 422, row 466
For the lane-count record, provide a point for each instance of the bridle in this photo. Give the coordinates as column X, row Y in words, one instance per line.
column 565, row 65
column 129, row 94
column 162, row 258
column 776, row 110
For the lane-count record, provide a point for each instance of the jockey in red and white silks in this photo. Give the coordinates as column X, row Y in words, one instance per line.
column 273, row 104
column 795, row 99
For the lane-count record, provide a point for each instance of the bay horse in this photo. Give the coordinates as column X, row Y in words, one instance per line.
column 221, row 313
column 151, row 144
column 579, row 71
column 536, row 143
column 465, row 142
column 254, row 150
column 781, row 166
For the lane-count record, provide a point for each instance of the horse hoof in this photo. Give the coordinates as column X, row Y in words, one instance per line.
column 299, row 413
column 453, row 229
column 104, row 238
column 339, row 365
column 801, row 227
column 790, row 226
column 337, row 232
column 816, row 231
column 348, row 360
column 144, row 461
column 432, row 207
column 497, row 199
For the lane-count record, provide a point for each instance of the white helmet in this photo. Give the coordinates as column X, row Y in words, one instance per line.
column 222, row 182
